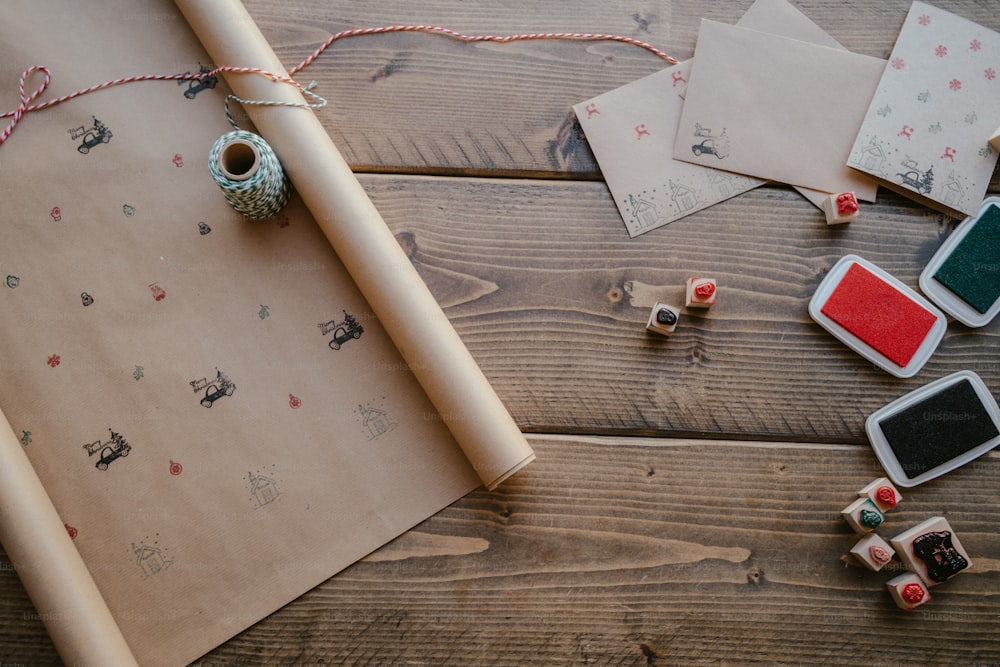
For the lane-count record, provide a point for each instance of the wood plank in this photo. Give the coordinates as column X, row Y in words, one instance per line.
column 551, row 296
column 636, row 551
column 427, row 104
column 628, row 551
column 610, row 549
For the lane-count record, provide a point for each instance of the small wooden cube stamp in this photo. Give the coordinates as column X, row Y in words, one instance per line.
column 863, row 516
column 873, row 552
column 932, row 550
column 994, row 140
column 700, row 293
column 908, row 590
column 841, row 208
column 663, row 319
column 882, row 493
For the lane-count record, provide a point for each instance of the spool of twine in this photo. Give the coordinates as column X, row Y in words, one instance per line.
column 249, row 174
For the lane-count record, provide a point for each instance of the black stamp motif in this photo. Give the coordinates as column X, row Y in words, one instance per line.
column 939, row 555
column 263, row 488
column 150, row 557
column 342, row 331
column 214, row 389
column 914, row 178
column 375, row 421
column 92, row 136
column 195, row 86
column 110, row 450
column 717, row 145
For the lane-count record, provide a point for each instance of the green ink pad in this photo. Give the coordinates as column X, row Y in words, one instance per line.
column 935, row 429
column 963, row 277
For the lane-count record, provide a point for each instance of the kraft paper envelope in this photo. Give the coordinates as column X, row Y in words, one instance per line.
column 776, row 108
column 938, row 102
column 632, row 129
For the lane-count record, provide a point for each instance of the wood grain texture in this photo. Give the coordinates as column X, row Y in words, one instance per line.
column 636, row 551
column 417, row 103
column 556, row 298
column 684, row 506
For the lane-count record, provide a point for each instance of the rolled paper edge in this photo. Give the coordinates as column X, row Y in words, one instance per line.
column 451, row 378
column 51, row 569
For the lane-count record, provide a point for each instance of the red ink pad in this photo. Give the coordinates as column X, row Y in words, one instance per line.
column 877, row 316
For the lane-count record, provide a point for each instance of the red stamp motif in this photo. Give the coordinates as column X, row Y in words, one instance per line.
column 913, row 593
column 294, row 402
column 846, row 203
column 71, row 530
column 53, row 360
column 159, row 294
column 56, row 213
column 704, row 290
column 886, row 496
column 176, row 468
column 178, row 160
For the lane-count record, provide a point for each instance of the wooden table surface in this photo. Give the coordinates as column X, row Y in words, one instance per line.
column 684, row 506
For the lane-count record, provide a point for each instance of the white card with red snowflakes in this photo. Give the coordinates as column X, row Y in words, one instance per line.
column 926, row 132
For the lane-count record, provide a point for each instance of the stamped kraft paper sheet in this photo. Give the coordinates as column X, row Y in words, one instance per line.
column 938, row 102
column 214, row 407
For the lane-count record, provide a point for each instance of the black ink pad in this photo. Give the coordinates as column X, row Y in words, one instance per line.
column 935, row 429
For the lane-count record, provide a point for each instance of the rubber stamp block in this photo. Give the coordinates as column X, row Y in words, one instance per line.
column 908, row 590
column 882, row 493
column 663, row 319
column 873, row 552
column 932, row 550
column 700, row 293
column 994, row 140
column 840, row 208
column 863, row 516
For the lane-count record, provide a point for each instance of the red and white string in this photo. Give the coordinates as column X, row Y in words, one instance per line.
column 579, row 36
column 26, row 105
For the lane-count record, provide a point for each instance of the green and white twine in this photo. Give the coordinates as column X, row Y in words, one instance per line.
column 249, row 174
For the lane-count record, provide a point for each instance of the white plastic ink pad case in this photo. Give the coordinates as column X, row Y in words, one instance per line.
column 877, row 316
column 963, row 276
column 935, row 429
